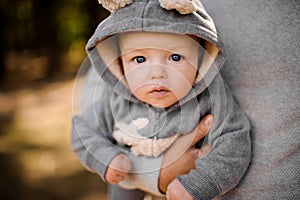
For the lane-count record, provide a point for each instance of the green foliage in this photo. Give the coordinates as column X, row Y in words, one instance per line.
column 48, row 28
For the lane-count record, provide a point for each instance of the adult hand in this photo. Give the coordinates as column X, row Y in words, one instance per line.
column 176, row 191
column 182, row 155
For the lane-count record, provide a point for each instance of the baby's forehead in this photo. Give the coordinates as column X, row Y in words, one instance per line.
column 131, row 41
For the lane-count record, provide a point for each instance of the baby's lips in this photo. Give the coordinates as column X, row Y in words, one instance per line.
column 160, row 88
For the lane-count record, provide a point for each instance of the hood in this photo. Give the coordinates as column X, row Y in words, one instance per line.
column 149, row 16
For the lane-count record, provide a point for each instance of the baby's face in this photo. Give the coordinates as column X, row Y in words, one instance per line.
column 160, row 68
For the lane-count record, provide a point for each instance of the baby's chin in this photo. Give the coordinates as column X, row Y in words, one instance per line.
column 163, row 105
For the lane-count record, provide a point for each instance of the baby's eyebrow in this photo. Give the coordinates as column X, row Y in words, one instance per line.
column 180, row 47
column 131, row 51
column 166, row 48
column 169, row 49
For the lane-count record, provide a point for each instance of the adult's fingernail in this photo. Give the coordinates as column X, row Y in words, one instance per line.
column 208, row 121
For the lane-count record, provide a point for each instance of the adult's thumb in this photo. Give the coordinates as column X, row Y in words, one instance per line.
column 203, row 128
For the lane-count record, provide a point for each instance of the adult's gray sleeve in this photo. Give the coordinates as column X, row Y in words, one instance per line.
column 223, row 168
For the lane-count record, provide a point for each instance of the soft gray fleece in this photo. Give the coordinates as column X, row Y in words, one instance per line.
column 106, row 101
column 262, row 69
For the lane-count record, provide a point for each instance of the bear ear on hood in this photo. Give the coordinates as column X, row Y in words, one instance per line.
column 114, row 5
column 182, row 6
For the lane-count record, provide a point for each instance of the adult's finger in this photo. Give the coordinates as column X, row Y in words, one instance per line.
column 204, row 150
column 176, row 191
column 202, row 129
column 181, row 156
column 188, row 141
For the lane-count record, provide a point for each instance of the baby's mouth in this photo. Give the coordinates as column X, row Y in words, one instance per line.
column 159, row 91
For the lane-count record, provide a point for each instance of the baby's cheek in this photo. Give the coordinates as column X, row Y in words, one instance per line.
column 140, row 94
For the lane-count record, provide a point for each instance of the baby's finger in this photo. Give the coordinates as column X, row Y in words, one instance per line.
column 121, row 173
column 119, row 178
column 112, row 180
column 116, row 177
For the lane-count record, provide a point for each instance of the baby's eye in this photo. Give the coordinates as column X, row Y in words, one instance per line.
column 175, row 57
column 140, row 59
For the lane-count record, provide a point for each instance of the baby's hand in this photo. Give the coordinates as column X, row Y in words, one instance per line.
column 118, row 169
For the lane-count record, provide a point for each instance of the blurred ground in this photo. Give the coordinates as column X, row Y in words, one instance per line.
column 36, row 162
column 42, row 47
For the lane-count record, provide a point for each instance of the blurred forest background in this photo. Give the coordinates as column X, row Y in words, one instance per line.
column 42, row 47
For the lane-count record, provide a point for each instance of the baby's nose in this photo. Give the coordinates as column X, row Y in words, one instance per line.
column 158, row 72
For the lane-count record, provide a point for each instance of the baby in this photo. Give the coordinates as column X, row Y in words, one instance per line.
column 155, row 75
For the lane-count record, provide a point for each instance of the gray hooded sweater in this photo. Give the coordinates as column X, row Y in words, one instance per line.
column 107, row 102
